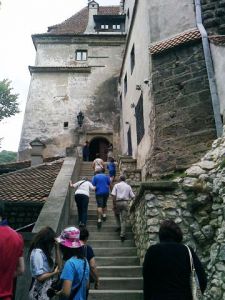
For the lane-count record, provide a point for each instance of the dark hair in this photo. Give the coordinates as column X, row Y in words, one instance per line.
column 170, row 231
column 84, row 233
column 2, row 210
column 70, row 252
column 122, row 178
column 44, row 240
column 112, row 159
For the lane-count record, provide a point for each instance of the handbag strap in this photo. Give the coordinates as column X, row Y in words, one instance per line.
column 191, row 258
column 76, row 289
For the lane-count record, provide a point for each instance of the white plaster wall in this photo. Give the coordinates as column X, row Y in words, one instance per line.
column 140, row 37
column 55, row 98
column 218, row 54
column 170, row 17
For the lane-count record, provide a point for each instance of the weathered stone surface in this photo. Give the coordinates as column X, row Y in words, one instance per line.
column 194, row 171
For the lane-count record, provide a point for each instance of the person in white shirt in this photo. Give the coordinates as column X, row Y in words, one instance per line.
column 121, row 193
column 98, row 164
column 82, row 193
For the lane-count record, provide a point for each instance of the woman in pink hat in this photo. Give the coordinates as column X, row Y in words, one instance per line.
column 75, row 273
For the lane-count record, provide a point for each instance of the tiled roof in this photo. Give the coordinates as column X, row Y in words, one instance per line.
column 77, row 24
column 218, row 40
column 15, row 166
column 31, row 184
column 177, row 40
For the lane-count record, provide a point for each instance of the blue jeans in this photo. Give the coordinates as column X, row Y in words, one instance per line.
column 82, row 207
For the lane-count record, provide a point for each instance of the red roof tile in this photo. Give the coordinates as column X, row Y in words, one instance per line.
column 177, row 40
column 31, row 184
column 77, row 23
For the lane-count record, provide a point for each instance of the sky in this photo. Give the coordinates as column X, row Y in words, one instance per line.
column 19, row 19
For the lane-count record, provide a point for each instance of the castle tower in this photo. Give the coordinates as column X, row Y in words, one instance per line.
column 76, row 70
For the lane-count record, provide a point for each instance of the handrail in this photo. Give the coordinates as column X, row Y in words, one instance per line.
column 24, row 227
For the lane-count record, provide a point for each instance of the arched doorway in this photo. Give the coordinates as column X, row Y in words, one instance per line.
column 98, row 145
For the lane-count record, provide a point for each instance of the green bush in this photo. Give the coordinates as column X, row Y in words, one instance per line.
column 7, row 156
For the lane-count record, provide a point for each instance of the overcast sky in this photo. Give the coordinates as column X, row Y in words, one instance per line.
column 19, row 19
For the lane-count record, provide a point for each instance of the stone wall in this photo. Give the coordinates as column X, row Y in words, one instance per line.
column 22, row 214
column 184, row 121
column 195, row 201
column 214, row 16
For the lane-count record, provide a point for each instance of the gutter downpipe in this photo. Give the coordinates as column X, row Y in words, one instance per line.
column 210, row 70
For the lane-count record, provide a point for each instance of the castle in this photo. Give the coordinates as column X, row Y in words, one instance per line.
column 146, row 76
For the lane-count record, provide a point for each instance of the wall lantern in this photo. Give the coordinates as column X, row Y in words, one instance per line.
column 80, row 118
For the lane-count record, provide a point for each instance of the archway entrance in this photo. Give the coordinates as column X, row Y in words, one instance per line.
column 98, row 145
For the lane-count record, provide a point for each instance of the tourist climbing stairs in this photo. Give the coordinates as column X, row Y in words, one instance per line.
column 118, row 265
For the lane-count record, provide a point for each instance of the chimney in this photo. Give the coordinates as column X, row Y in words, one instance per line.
column 121, row 7
column 37, row 148
column 93, row 8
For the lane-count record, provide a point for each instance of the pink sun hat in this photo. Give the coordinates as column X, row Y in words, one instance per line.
column 70, row 237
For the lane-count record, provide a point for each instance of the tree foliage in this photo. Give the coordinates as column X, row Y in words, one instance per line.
column 7, row 156
column 8, row 101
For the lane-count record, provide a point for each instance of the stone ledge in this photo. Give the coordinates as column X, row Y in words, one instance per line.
column 153, row 186
column 35, row 69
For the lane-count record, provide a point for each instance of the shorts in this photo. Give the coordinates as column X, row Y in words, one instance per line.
column 102, row 200
column 112, row 173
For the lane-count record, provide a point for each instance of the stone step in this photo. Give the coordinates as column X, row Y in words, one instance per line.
column 121, row 283
column 120, row 271
column 125, row 251
column 100, row 235
column 105, row 227
column 93, row 216
column 117, row 260
column 115, row 295
column 111, row 243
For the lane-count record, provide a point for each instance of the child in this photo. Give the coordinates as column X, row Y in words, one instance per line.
column 111, row 166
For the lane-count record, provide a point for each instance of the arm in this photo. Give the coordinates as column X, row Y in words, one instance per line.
column 20, row 267
column 48, row 275
column 94, row 272
column 58, row 258
column 200, row 271
column 66, row 288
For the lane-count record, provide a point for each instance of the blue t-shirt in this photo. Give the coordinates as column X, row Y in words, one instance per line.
column 73, row 271
column 102, row 183
column 111, row 166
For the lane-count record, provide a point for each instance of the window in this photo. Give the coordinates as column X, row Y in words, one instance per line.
column 104, row 26
column 116, row 27
column 128, row 14
column 132, row 59
column 81, row 55
column 65, row 125
column 125, row 84
column 129, row 142
column 139, row 120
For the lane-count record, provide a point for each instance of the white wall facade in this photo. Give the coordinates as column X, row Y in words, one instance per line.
column 56, row 97
column 154, row 21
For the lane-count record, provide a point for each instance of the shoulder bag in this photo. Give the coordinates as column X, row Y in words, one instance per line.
column 194, row 282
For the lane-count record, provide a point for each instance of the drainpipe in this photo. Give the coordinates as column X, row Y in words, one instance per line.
column 210, row 70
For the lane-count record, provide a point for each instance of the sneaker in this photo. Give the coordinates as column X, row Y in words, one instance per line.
column 104, row 218
column 117, row 229
column 99, row 224
column 122, row 238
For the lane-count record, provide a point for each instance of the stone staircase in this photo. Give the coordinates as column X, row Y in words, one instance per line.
column 118, row 265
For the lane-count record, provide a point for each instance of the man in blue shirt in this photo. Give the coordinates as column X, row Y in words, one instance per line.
column 102, row 185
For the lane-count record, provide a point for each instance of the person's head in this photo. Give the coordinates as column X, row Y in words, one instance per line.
column 84, row 234
column 111, row 159
column 122, row 178
column 44, row 240
column 170, row 231
column 70, row 243
column 87, row 143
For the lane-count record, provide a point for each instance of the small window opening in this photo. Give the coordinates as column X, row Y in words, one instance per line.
column 125, row 84
column 81, row 55
column 132, row 59
column 66, row 125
